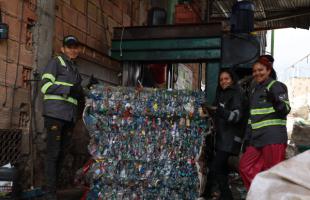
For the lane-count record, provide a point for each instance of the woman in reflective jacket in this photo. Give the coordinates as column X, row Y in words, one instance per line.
column 266, row 132
column 227, row 117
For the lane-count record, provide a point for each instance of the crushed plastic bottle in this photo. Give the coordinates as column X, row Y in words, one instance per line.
column 144, row 143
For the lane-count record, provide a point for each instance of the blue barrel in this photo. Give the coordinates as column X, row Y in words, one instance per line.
column 242, row 17
column 156, row 16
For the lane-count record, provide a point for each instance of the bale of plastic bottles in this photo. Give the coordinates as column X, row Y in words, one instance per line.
column 144, row 142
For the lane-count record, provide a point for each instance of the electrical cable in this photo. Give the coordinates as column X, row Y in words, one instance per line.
column 5, row 75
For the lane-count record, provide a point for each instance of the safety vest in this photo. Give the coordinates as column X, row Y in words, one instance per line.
column 53, row 81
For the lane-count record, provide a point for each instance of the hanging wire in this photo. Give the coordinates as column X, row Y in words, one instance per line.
column 5, row 74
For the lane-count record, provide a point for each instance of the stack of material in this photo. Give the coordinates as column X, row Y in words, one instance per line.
column 144, row 143
column 301, row 134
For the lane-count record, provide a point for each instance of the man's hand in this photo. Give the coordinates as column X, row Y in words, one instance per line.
column 76, row 91
column 92, row 81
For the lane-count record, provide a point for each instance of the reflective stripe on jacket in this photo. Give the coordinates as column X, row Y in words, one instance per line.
column 58, row 76
column 268, row 119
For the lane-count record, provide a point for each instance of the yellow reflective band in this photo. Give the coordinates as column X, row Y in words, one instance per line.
column 249, row 121
column 262, row 111
column 48, row 76
column 63, row 83
column 57, row 97
column 270, row 122
column 63, row 63
column 270, row 84
column 46, row 86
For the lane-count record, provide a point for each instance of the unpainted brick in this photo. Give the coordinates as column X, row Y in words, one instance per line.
column 69, row 15
column 92, row 11
column 4, row 111
column 118, row 3
column 91, row 42
column 28, row 13
column 59, row 28
column 82, row 22
column 57, row 45
column 107, row 8
column 26, row 57
column 117, row 14
column 66, row 28
column 12, row 51
column 80, row 5
column 95, row 30
column 111, row 24
column 14, row 27
column 58, row 8
column 12, row 7
column 67, row 2
column 100, row 17
column 10, row 74
column 126, row 20
column 79, row 34
column 96, row 2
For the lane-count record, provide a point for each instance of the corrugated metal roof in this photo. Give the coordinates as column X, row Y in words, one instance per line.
column 270, row 14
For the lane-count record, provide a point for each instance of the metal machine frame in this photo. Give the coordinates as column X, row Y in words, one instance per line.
column 170, row 44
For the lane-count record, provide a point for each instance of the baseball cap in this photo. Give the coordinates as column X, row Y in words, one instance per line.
column 70, row 40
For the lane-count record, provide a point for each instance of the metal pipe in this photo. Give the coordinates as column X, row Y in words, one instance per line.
column 272, row 42
column 199, row 76
column 170, row 11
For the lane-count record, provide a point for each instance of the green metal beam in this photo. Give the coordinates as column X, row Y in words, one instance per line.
column 174, row 56
column 169, row 44
column 212, row 74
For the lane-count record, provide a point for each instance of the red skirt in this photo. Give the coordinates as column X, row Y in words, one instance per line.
column 256, row 160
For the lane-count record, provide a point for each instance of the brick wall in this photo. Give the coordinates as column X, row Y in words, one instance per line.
column 16, row 62
column 92, row 21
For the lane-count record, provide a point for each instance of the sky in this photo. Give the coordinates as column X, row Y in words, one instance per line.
column 290, row 46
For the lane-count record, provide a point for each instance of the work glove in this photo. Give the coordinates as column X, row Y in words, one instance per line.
column 92, row 81
column 76, row 91
column 270, row 97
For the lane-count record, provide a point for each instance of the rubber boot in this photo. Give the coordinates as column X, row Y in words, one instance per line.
column 226, row 193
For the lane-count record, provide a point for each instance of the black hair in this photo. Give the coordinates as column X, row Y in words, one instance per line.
column 234, row 78
column 231, row 73
column 273, row 74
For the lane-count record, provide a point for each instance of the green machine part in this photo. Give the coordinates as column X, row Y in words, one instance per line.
column 188, row 43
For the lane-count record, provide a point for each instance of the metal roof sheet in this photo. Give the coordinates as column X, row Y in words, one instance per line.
column 269, row 14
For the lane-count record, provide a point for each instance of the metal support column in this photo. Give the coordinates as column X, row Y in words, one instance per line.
column 199, row 76
column 212, row 73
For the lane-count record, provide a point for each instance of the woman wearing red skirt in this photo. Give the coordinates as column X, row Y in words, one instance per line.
column 267, row 134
